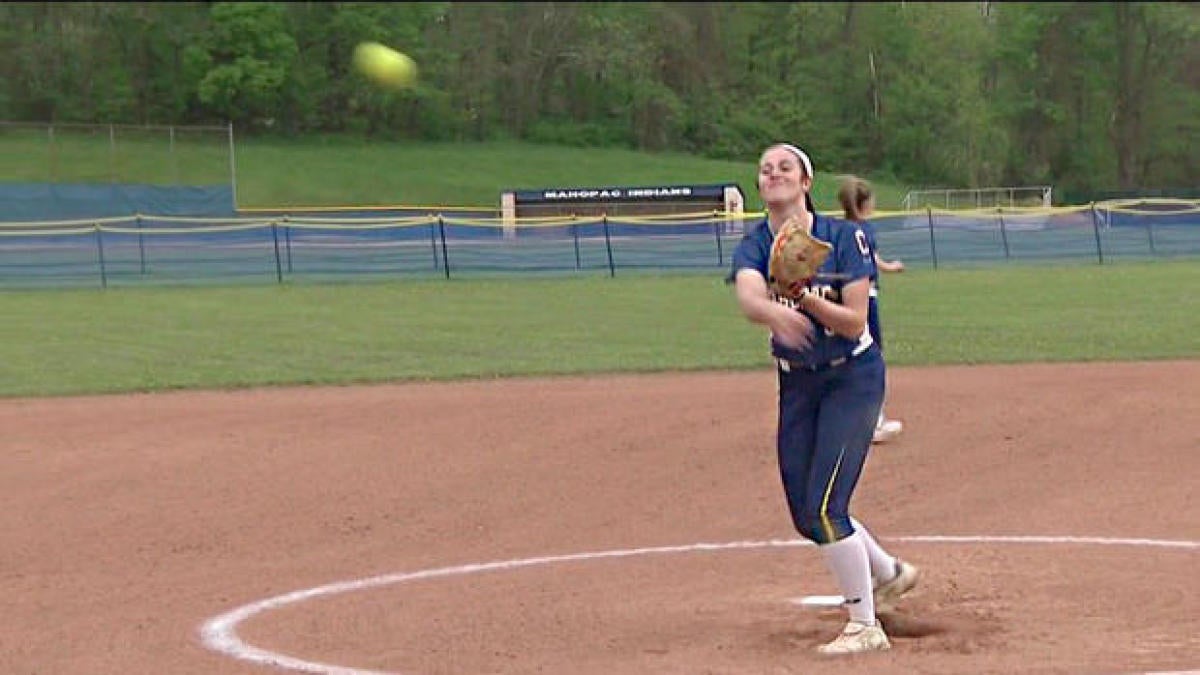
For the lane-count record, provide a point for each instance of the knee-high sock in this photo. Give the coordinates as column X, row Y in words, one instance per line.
column 883, row 564
column 847, row 559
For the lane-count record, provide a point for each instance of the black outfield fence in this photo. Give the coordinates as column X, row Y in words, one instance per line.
column 279, row 247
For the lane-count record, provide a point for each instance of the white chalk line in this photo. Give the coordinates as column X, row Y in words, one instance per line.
column 220, row 632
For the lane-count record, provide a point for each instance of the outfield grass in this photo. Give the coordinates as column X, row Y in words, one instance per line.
column 59, row 342
column 81, row 154
column 341, row 171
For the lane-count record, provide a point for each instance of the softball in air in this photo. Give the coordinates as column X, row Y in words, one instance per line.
column 385, row 66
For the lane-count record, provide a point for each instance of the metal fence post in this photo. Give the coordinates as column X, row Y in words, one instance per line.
column 1096, row 231
column 278, row 262
column 612, row 268
column 575, row 238
column 1003, row 231
column 141, row 244
column 932, row 243
column 445, row 255
column 100, row 256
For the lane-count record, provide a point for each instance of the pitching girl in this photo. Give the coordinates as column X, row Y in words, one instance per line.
column 831, row 381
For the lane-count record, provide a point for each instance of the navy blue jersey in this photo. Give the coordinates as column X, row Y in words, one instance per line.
column 869, row 232
column 850, row 260
column 873, row 307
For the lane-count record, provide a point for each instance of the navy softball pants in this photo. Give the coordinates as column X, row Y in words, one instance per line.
column 826, row 420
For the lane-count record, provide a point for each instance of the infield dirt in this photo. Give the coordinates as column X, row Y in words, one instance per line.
column 131, row 520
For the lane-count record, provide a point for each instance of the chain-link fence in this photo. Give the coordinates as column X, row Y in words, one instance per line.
column 90, row 154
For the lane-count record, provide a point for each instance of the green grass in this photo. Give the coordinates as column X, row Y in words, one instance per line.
column 71, row 342
column 340, row 172
column 87, row 155
column 1113, row 312
column 344, row 171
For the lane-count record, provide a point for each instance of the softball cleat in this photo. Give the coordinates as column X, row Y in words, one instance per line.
column 888, row 593
column 887, row 430
column 857, row 638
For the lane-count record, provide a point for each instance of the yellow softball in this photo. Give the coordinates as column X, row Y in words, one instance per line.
column 385, row 66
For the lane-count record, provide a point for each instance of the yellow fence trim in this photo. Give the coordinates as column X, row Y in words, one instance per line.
column 46, row 232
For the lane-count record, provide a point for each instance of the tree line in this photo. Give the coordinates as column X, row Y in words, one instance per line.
column 1081, row 95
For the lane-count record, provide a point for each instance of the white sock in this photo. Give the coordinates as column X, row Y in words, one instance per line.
column 847, row 559
column 883, row 564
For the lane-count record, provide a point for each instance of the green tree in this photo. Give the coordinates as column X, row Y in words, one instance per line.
column 1150, row 39
column 1080, row 95
column 247, row 54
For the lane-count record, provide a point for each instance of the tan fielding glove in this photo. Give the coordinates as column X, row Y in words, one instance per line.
column 796, row 256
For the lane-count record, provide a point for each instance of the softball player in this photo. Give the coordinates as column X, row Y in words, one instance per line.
column 831, row 382
column 858, row 203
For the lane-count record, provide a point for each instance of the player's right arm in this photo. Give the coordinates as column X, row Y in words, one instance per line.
column 790, row 327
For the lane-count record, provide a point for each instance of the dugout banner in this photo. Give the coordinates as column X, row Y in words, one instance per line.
column 644, row 193
column 617, row 200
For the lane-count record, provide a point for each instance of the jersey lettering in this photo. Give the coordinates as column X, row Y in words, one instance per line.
column 860, row 238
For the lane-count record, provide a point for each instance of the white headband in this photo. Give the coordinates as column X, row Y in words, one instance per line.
column 800, row 155
column 808, row 169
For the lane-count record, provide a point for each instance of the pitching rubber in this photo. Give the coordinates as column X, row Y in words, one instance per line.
column 818, row 601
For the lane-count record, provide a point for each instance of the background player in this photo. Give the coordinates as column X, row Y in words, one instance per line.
column 858, row 204
column 831, row 381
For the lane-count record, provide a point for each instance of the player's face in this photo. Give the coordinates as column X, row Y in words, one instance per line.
column 781, row 178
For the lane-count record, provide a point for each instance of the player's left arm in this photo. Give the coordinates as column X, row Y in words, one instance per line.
column 888, row 265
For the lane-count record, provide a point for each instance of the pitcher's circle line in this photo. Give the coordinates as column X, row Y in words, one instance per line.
column 220, row 632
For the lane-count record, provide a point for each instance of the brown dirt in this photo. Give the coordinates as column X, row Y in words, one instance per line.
column 130, row 521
